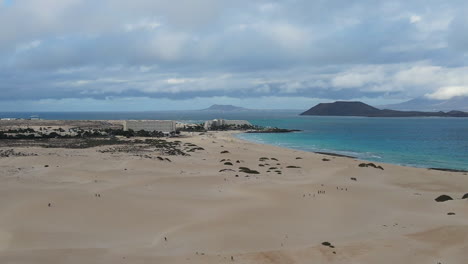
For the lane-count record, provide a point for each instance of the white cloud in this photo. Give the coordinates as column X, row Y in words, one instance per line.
column 27, row 46
column 359, row 77
column 176, row 81
column 169, row 46
column 448, row 92
column 144, row 24
column 290, row 48
column 289, row 36
column 415, row 19
column 268, row 7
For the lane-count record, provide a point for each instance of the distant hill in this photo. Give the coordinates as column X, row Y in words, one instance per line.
column 223, row 108
column 459, row 103
column 341, row 108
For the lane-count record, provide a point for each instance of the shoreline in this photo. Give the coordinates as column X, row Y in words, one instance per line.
column 428, row 167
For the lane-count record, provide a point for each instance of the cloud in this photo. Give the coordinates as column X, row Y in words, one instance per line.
column 27, row 46
column 184, row 49
column 143, row 24
column 415, row 19
column 448, row 92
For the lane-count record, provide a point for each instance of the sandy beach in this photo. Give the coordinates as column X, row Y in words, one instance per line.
column 61, row 205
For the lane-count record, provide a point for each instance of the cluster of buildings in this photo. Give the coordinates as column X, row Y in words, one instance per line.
column 165, row 126
column 223, row 122
column 34, row 117
column 169, row 126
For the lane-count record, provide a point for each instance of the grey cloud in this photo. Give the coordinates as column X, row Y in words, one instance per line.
column 321, row 49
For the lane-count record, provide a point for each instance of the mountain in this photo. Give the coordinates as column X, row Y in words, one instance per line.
column 425, row 104
column 223, row 108
column 341, row 108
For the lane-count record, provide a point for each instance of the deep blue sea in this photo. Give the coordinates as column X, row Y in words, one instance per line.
column 418, row 142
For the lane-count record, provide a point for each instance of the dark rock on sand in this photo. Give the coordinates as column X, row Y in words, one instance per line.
column 226, row 170
column 365, row 165
column 443, row 198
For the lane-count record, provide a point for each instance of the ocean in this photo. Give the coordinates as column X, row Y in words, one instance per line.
column 417, row 142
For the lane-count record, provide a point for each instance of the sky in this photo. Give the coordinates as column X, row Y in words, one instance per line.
column 145, row 55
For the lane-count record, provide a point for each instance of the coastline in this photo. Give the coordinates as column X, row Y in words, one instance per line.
column 331, row 153
column 113, row 205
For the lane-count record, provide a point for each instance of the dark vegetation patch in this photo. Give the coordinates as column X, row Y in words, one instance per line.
column 451, row 213
column 147, row 146
column 293, row 167
column 327, row 244
column 12, row 153
column 29, row 133
column 172, row 148
column 465, row 196
column 247, row 170
column 224, row 152
column 274, row 159
column 298, row 158
column 263, row 159
column 365, row 165
column 353, row 179
column 195, row 149
column 228, row 163
column 72, row 143
column 223, row 170
column 324, row 159
column 443, row 198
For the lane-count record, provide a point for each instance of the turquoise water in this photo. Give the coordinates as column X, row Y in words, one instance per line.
column 418, row 142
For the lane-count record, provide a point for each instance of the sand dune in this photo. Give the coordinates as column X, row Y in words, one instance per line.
column 121, row 208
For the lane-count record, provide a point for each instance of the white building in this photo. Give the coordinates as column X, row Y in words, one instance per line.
column 222, row 122
column 166, row 126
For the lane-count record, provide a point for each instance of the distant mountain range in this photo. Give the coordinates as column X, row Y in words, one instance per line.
column 224, row 108
column 425, row 104
column 341, row 108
